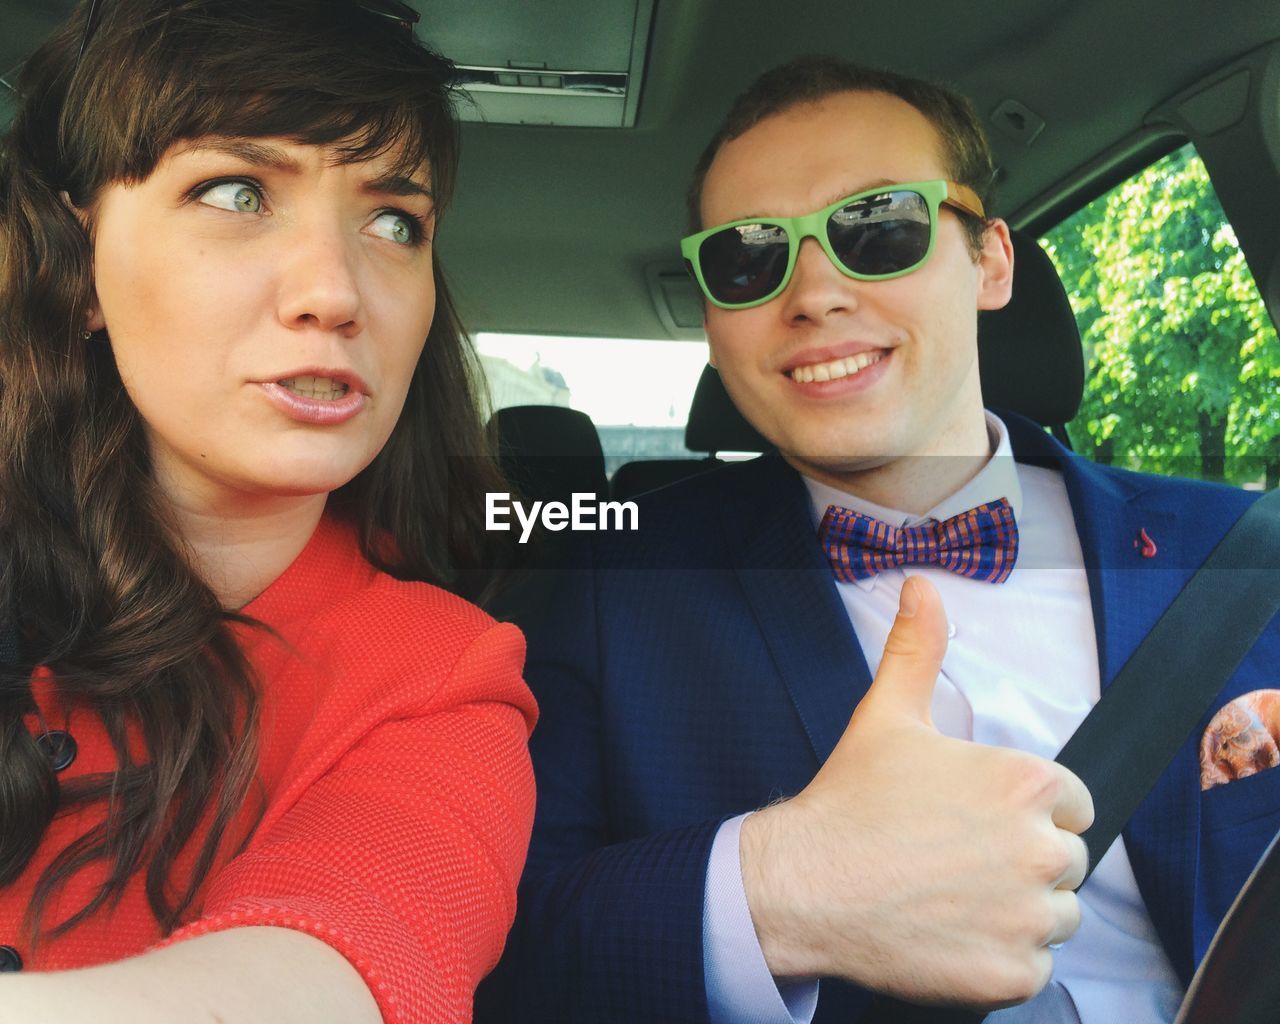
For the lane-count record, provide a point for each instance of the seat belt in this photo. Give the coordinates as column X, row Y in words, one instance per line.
column 1230, row 599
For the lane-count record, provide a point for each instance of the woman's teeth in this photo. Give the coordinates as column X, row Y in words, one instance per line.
column 325, row 389
column 837, row 368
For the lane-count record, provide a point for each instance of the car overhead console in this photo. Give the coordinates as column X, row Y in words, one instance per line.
column 572, row 63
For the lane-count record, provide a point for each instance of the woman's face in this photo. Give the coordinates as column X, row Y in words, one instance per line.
column 266, row 307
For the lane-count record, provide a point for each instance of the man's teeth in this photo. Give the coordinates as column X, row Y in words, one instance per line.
column 837, row 368
column 323, row 388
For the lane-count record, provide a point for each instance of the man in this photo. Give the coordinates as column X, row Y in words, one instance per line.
column 708, row 667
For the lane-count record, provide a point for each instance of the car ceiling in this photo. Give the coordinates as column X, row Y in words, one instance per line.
column 564, row 230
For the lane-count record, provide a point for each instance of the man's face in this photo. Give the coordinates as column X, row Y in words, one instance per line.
column 919, row 392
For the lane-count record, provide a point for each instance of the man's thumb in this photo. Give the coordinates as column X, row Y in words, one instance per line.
column 913, row 653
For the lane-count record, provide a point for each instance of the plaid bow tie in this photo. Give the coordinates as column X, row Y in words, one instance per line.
column 981, row 544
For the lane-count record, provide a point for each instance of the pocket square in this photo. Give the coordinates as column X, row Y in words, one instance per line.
column 1242, row 740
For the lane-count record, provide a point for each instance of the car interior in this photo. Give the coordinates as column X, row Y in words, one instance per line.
column 1076, row 101
column 583, row 120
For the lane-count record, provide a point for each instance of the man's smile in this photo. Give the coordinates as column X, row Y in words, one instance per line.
column 836, row 368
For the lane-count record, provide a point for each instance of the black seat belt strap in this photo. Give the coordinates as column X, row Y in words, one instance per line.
column 1177, row 670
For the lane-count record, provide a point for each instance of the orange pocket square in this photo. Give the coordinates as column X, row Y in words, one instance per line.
column 1243, row 739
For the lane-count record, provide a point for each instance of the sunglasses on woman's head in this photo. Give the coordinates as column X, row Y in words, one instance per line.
column 871, row 236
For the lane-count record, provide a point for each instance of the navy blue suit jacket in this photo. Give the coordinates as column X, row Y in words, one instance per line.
column 705, row 667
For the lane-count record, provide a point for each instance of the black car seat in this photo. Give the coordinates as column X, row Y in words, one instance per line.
column 1029, row 353
column 549, row 452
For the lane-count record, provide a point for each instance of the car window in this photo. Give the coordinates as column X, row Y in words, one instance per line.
column 637, row 392
column 1182, row 360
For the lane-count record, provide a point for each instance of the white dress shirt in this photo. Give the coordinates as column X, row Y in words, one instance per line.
column 1021, row 670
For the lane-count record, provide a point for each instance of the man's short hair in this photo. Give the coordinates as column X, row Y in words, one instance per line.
column 965, row 152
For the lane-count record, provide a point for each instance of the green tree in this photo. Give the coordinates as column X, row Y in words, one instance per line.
column 1183, row 360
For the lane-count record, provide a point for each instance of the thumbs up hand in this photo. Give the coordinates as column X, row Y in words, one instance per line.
column 933, row 869
column 913, row 655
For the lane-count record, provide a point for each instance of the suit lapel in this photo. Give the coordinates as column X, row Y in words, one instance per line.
column 1129, row 593
column 792, row 595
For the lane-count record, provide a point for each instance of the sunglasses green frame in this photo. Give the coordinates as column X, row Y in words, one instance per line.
column 814, row 225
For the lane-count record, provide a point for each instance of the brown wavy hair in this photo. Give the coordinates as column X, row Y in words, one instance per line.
column 91, row 568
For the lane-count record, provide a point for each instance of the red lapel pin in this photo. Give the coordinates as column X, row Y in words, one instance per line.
column 1144, row 541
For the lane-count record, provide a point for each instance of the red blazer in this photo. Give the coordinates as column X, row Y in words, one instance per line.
column 396, row 780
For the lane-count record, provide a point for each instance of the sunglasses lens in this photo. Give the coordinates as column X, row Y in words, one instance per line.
column 880, row 235
column 744, row 263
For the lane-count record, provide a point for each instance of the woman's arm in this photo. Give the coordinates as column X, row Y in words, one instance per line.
column 239, row 976
column 382, row 876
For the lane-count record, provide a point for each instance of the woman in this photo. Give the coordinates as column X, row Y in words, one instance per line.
column 251, row 764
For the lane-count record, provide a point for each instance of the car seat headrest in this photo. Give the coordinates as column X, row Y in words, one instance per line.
column 548, row 452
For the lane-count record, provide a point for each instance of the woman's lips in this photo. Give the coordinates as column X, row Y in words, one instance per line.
column 311, row 398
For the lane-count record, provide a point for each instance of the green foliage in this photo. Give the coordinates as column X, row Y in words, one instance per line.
column 1183, row 360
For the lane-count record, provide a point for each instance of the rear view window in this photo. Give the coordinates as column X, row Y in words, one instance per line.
column 636, row 392
column 1182, row 360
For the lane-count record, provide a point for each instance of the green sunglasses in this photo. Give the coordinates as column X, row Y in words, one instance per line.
column 875, row 235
